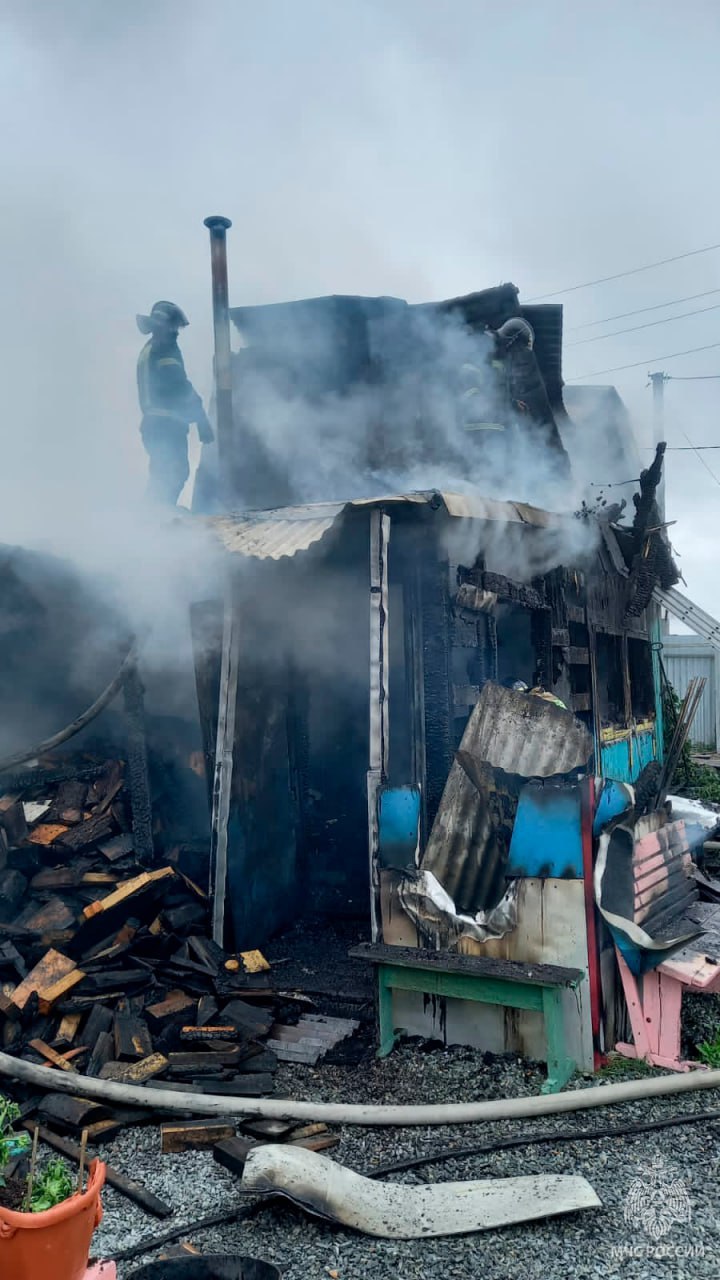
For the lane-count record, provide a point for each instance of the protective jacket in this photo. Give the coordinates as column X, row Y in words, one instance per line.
column 164, row 389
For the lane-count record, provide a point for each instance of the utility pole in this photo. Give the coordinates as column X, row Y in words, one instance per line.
column 658, row 381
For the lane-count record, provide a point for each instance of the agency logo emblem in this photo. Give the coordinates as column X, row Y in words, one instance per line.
column 657, row 1201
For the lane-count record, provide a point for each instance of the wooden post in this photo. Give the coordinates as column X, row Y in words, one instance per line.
column 222, row 779
column 379, row 700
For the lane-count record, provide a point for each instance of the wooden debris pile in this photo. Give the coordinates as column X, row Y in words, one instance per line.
column 106, row 967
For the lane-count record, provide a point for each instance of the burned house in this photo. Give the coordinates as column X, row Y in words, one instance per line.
column 366, row 647
column 412, row 697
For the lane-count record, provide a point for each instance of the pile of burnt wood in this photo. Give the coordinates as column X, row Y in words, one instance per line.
column 106, row 966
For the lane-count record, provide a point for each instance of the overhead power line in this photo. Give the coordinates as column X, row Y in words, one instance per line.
column 659, row 306
column 620, row 275
column 649, row 324
column 618, row 368
column 696, row 451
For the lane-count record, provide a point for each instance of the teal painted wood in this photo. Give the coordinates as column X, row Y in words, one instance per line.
column 544, row 998
column 624, row 761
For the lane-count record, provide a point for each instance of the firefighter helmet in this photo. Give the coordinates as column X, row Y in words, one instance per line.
column 516, row 330
column 166, row 314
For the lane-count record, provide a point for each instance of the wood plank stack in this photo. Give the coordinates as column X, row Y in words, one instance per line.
column 106, row 967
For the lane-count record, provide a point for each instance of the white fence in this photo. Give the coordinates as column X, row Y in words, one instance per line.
column 688, row 656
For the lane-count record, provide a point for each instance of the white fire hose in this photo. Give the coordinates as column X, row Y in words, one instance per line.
column 209, row 1104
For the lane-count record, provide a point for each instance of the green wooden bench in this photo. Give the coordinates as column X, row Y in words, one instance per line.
column 502, row 982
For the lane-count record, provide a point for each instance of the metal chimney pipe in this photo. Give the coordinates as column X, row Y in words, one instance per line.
column 218, row 226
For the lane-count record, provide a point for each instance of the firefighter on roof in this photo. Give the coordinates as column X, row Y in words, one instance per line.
column 169, row 403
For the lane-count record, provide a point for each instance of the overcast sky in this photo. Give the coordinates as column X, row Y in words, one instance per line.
column 405, row 147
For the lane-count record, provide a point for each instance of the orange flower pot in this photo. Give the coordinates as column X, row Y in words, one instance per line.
column 56, row 1243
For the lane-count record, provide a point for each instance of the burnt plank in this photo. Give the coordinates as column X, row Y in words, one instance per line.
column 11, row 958
column 67, row 1113
column 13, row 887
column 105, row 1130
column 258, row 1063
column 268, row 1130
column 67, row 1029
column 135, row 897
column 173, row 1010
column 194, row 1135
column 209, row 1034
column 50, row 918
column 102, row 1053
column 87, row 833
column 203, row 1071
column 232, row 1153
column 114, row 979
column 83, row 1004
column 50, row 1055
column 135, row 1072
column 206, row 1011
column 117, row 847
column 480, row 966
column 12, row 821
column 248, row 1086
column 132, row 1037
column 210, row 1058
column 69, row 803
column 183, row 919
column 247, row 1018
column 207, row 952
column 100, row 1020
column 316, row 1144
column 52, row 978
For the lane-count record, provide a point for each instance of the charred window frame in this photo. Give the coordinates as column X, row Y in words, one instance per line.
column 610, row 677
column 642, row 683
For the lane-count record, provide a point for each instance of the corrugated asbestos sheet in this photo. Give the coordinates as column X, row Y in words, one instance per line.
column 523, row 737
column 287, row 530
column 526, row 736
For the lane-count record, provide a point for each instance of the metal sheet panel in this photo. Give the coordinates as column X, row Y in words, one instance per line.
column 275, row 534
column 270, row 535
column 685, row 657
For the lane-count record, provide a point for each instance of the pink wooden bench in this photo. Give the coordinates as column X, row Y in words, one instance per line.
column 666, row 940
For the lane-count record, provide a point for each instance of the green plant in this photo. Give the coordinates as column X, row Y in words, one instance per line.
column 9, row 1113
column 51, row 1186
column 709, row 1052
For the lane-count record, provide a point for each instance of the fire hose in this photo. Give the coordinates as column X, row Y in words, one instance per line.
column 107, row 695
column 109, row 1091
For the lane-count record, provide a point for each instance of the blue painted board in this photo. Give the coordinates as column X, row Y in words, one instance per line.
column 398, row 826
column 547, row 840
column 612, row 800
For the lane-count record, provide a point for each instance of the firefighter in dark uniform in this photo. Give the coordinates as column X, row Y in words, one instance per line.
column 169, row 403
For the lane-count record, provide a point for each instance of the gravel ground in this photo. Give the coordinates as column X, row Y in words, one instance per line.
column 579, row 1245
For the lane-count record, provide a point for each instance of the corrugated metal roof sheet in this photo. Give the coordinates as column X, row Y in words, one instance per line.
column 274, row 534
column 287, row 530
